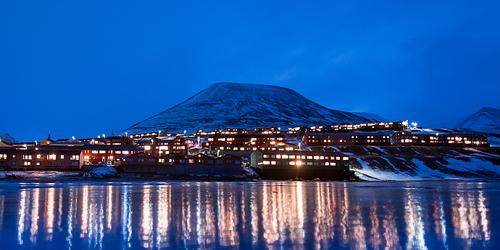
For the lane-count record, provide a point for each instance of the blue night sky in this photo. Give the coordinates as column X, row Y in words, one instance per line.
column 88, row 67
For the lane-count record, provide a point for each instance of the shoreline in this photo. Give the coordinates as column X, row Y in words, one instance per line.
column 60, row 176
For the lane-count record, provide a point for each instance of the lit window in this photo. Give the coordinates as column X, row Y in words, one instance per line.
column 345, row 158
column 62, row 157
column 38, row 156
column 292, row 163
column 27, row 163
column 51, row 157
column 27, row 157
column 273, row 162
column 102, row 151
column 125, row 152
column 75, row 158
column 3, row 156
column 147, row 147
column 266, row 162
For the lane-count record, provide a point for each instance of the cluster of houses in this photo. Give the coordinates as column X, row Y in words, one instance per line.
column 295, row 152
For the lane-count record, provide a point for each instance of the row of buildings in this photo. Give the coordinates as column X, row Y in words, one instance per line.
column 71, row 154
column 298, row 151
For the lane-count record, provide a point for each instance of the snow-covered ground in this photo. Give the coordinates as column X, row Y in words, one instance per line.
column 468, row 163
column 101, row 171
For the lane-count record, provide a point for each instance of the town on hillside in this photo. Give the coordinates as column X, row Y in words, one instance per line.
column 275, row 153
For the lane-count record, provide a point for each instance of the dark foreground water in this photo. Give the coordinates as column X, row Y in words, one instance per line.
column 393, row 215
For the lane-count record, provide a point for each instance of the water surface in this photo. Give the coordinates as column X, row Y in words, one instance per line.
column 250, row 215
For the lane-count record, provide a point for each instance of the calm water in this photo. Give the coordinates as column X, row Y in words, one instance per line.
column 99, row 215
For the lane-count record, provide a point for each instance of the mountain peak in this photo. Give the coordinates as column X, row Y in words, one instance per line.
column 245, row 86
column 243, row 105
column 486, row 120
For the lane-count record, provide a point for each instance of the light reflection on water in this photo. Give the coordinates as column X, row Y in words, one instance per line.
column 312, row 215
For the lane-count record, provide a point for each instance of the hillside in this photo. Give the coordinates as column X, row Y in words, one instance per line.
column 423, row 163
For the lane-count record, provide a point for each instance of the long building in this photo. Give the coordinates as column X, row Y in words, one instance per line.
column 302, row 164
column 427, row 137
column 326, row 139
column 184, row 165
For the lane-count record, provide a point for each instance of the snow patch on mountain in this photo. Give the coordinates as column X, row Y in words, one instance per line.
column 494, row 141
column 7, row 138
column 486, row 120
column 237, row 105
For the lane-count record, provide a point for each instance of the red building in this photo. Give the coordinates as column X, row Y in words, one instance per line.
column 110, row 150
column 159, row 146
column 427, row 137
column 324, row 139
column 47, row 155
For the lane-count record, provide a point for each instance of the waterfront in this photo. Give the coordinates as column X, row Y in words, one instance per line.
column 249, row 215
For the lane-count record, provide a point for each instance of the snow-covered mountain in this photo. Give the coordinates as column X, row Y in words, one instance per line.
column 6, row 138
column 238, row 105
column 486, row 120
column 371, row 116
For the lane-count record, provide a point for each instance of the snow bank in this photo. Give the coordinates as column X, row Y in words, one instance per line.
column 37, row 174
column 101, row 171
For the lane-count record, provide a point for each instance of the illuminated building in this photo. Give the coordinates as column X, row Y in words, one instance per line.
column 158, row 146
column 440, row 138
column 300, row 164
column 382, row 138
column 178, row 164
